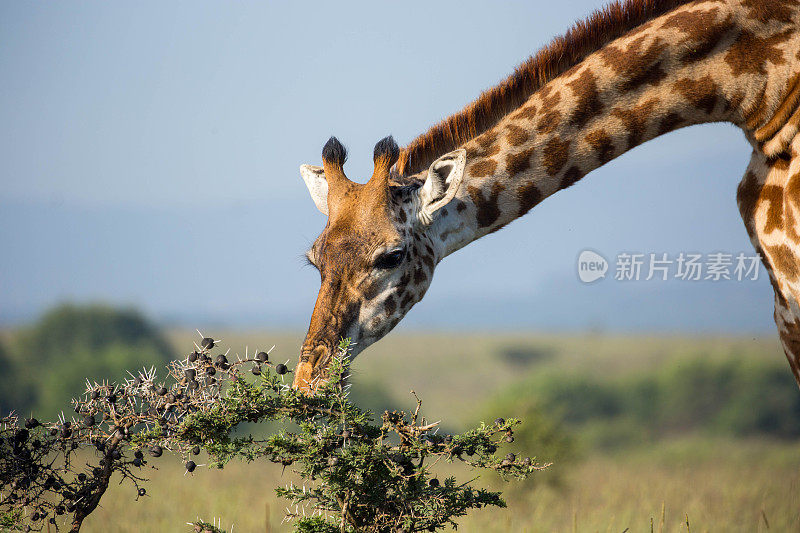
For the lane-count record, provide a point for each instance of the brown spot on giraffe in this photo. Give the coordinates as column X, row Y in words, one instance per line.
column 773, row 196
column 515, row 135
column 519, row 162
column 526, row 112
column 483, row 168
column 670, row 122
column 701, row 93
column 488, row 210
column 750, row 53
column 785, row 261
column 747, row 194
column 555, row 154
column 486, row 140
column 603, row 145
column 549, row 122
column 635, row 120
column 528, row 196
column 636, row 67
column 587, row 98
column 571, row 176
column 703, row 31
column 766, row 11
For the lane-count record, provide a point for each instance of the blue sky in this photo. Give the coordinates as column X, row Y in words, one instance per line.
column 149, row 156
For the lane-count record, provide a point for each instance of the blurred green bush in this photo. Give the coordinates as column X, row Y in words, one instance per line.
column 49, row 362
column 734, row 396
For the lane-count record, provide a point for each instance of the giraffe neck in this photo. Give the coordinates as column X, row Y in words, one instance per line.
column 707, row 61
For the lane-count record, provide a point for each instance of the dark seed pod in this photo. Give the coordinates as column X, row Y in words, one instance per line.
column 491, row 448
column 190, row 466
column 211, row 370
column 221, row 360
column 256, row 370
column 196, row 450
column 138, row 454
column 433, row 482
column 193, row 385
column 161, row 391
column 116, row 455
column 192, row 357
column 281, row 369
column 499, row 421
column 95, row 394
column 262, row 356
column 66, row 432
column 53, row 432
column 156, row 451
column 59, row 510
column 511, row 457
column 142, row 492
column 111, row 398
column 190, row 373
column 207, row 343
column 89, row 421
column 97, row 472
column 31, row 423
column 137, row 462
column 527, row 461
column 170, row 398
column 21, row 435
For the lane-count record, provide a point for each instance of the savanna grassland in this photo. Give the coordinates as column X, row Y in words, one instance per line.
column 643, row 431
column 614, row 468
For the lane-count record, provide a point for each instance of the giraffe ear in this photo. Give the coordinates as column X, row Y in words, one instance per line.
column 317, row 185
column 444, row 178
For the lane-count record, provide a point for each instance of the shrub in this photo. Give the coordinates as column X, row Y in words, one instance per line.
column 70, row 344
column 359, row 475
column 733, row 396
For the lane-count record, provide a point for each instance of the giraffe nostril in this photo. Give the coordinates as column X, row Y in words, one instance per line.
column 316, row 354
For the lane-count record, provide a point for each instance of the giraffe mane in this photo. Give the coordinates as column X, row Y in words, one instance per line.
column 563, row 52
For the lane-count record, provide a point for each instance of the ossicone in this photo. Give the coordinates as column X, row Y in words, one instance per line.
column 386, row 152
column 334, row 152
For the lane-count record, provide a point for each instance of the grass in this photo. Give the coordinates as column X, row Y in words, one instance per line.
column 721, row 486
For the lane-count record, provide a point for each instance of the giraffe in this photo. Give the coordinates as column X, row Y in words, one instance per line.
column 629, row 73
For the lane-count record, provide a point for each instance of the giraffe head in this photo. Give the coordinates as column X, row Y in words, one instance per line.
column 376, row 254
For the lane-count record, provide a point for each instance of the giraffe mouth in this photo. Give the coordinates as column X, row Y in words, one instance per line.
column 309, row 374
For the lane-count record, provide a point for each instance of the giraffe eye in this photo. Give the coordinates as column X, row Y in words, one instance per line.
column 390, row 259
